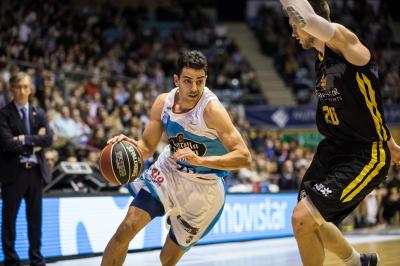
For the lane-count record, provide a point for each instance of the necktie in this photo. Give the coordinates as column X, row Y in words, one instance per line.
column 25, row 118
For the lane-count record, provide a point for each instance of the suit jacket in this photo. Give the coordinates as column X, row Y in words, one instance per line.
column 11, row 125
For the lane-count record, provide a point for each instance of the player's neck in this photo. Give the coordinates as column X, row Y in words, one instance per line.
column 180, row 106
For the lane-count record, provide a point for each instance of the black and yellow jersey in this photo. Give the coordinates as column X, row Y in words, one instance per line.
column 349, row 100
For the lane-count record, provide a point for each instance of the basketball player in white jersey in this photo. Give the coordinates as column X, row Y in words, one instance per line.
column 185, row 182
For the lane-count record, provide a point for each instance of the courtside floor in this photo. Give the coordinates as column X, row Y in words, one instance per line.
column 271, row 252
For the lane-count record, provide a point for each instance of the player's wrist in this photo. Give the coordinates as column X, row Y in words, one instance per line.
column 303, row 16
column 202, row 161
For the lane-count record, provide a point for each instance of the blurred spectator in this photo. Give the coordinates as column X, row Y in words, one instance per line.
column 391, row 202
column 288, row 180
column 66, row 126
column 52, row 157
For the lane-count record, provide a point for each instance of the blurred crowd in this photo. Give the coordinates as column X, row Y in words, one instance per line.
column 374, row 24
column 97, row 71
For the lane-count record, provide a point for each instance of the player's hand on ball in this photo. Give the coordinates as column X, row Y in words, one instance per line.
column 187, row 155
column 120, row 138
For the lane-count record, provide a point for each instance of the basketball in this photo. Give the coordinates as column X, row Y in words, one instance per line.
column 120, row 163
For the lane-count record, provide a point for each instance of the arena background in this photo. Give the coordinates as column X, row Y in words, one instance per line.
column 97, row 67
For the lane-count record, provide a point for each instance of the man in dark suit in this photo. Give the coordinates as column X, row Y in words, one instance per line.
column 24, row 131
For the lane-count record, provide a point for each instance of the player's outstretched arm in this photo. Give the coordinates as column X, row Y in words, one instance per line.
column 336, row 36
column 238, row 156
column 152, row 133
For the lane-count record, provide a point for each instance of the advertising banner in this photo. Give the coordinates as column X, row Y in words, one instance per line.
column 84, row 225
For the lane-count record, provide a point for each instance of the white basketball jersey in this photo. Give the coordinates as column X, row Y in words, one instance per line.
column 192, row 196
column 190, row 130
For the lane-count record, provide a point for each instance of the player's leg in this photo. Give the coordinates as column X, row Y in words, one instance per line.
column 326, row 235
column 304, row 223
column 117, row 247
column 333, row 198
column 171, row 253
column 142, row 210
column 305, row 231
column 334, row 241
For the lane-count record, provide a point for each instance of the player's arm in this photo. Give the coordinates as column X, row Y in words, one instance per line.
column 394, row 151
column 238, row 156
column 152, row 133
column 154, row 129
column 336, row 36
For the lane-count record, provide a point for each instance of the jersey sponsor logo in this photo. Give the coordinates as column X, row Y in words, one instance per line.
column 187, row 227
column 331, row 72
column 330, row 96
column 179, row 142
column 323, row 189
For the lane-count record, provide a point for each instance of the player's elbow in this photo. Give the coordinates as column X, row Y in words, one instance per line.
column 246, row 159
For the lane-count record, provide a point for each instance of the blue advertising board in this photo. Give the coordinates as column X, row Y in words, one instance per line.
column 301, row 116
column 84, row 225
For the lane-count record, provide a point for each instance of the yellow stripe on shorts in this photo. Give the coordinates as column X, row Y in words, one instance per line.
column 358, row 184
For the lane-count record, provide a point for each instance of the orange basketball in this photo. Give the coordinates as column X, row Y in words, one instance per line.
column 120, row 163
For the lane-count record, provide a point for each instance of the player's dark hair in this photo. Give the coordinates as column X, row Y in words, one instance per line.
column 191, row 59
column 321, row 7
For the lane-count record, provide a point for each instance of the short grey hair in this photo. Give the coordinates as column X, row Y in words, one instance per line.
column 18, row 77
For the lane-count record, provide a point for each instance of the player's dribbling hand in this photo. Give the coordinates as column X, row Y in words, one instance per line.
column 120, row 138
column 188, row 155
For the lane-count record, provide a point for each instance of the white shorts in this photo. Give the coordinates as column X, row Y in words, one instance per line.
column 193, row 202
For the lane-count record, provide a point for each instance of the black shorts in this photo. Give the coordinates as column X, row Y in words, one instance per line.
column 341, row 175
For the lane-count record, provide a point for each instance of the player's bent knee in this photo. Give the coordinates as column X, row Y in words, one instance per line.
column 167, row 259
column 126, row 231
column 302, row 220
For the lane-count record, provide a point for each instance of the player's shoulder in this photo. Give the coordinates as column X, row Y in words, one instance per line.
column 215, row 111
column 158, row 104
column 160, row 100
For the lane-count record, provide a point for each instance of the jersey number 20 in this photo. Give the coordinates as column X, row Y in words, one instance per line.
column 330, row 115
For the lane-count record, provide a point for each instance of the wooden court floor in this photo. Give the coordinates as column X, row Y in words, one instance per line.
column 271, row 252
column 389, row 252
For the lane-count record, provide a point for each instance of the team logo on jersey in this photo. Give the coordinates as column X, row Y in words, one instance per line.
column 179, row 142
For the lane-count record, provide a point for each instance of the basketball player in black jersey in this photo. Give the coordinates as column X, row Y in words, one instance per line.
column 357, row 150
